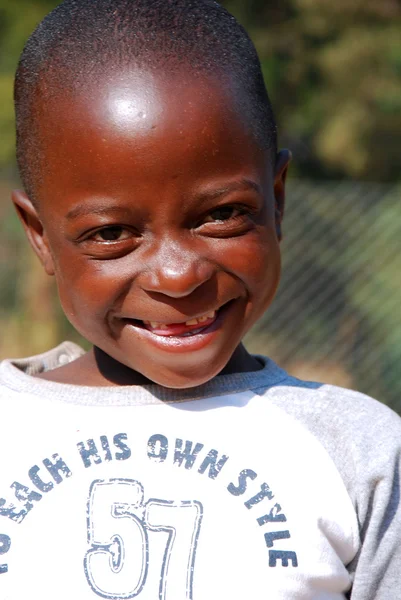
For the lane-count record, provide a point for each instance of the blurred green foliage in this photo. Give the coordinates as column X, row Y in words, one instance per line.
column 333, row 70
column 17, row 19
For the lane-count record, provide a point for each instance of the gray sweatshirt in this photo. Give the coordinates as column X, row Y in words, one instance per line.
column 253, row 485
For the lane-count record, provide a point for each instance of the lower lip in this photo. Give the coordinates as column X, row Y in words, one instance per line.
column 197, row 341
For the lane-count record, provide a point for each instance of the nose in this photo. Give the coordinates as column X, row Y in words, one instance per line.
column 175, row 270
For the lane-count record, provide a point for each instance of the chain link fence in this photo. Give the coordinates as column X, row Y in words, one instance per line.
column 337, row 315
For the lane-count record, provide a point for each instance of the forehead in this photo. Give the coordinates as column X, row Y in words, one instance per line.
column 143, row 126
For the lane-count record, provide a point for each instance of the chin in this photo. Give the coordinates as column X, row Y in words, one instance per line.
column 182, row 382
column 185, row 379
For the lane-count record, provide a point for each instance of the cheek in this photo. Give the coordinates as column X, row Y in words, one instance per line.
column 86, row 288
column 255, row 259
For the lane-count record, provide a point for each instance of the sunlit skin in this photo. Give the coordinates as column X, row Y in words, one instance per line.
column 156, row 204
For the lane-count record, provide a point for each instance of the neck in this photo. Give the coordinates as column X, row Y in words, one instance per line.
column 241, row 362
column 116, row 373
column 96, row 368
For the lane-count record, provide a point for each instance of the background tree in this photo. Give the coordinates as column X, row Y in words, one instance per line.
column 333, row 71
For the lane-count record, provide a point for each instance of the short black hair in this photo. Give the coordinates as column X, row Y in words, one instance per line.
column 81, row 39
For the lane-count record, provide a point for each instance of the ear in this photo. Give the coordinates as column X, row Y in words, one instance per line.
column 280, row 174
column 32, row 224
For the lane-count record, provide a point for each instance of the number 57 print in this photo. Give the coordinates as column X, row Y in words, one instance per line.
column 126, row 559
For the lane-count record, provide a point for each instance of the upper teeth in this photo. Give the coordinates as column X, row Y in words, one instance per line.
column 202, row 319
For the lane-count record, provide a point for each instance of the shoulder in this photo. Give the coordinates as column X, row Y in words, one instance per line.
column 330, row 408
column 361, row 435
column 324, row 408
column 329, row 411
column 18, row 374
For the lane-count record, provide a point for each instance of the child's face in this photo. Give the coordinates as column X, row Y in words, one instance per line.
column 158, row 209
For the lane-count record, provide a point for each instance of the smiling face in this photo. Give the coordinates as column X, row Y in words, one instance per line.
column 158, row 216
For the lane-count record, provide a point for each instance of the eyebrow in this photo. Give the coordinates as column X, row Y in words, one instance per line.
column 82, row 210
column 235, row 186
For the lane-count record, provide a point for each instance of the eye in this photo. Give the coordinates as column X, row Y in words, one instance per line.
column 226, row 221
column 115, row 233
column 109, row 241
column 223, row 213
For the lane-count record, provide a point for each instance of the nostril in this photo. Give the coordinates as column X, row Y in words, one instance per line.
column 175, row 273
column 173, row 286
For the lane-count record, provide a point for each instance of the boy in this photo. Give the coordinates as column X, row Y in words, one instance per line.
column 168, row 462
